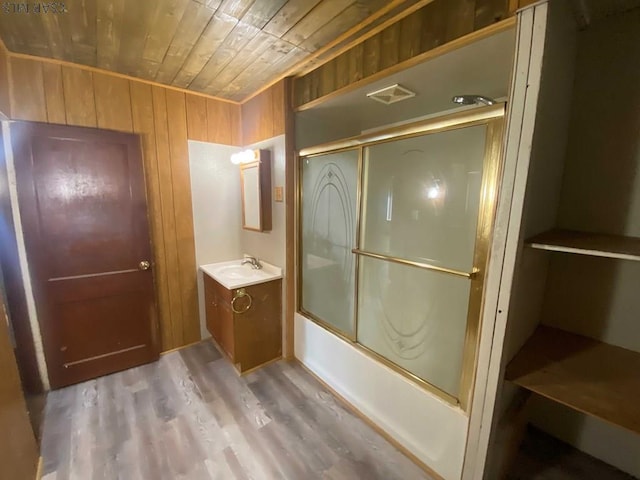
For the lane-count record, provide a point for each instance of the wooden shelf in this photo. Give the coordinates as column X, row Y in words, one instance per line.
column 584, row 243
column 589, row 376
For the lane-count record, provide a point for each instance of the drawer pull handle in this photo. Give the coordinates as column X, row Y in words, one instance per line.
column 239, row 294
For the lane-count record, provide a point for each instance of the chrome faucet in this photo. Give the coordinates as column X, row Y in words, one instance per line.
column 255, row 263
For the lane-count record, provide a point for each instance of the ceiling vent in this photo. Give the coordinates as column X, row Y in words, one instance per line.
column 392, row 94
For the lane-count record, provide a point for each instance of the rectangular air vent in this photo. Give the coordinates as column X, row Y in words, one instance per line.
column 392, row 94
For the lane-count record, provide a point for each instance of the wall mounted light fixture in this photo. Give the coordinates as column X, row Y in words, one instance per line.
column 245, row 156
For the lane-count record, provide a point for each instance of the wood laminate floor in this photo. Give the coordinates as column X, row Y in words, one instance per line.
column 190, row 416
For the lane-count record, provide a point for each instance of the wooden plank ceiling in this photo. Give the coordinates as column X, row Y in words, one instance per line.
column 226, row 48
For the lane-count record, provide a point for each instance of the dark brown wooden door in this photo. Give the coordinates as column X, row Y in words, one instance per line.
column 84, row 216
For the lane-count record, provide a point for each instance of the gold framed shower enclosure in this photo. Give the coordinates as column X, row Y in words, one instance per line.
column 493, row 118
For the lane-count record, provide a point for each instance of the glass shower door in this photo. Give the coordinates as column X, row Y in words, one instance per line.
column 394, row 234
column 421, row 205
column 328, row 236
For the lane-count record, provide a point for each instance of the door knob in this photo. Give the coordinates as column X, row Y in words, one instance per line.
column 144, row 265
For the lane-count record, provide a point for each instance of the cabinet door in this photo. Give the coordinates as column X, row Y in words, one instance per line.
column 259, row 329
column 226, row 340
column 211, row 308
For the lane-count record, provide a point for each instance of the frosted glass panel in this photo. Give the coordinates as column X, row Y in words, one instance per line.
column 329, row 186
column 415, row 318
column 422, row 197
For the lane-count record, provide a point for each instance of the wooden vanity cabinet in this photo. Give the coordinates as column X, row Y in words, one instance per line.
column 219, row 314
column 250, row 338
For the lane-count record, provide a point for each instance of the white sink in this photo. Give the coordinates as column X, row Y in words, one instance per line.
column 233, row 274
column 236, row 272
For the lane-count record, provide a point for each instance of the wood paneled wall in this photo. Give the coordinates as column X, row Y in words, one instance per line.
column 18, row 450
column 164, row 118
column 391, row 49
column 263, row 116
column 524, row 3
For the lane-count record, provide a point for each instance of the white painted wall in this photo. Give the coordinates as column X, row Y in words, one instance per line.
column 427, row 426
column 217, row 217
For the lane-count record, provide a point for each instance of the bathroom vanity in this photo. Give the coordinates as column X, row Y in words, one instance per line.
column 243, row 308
